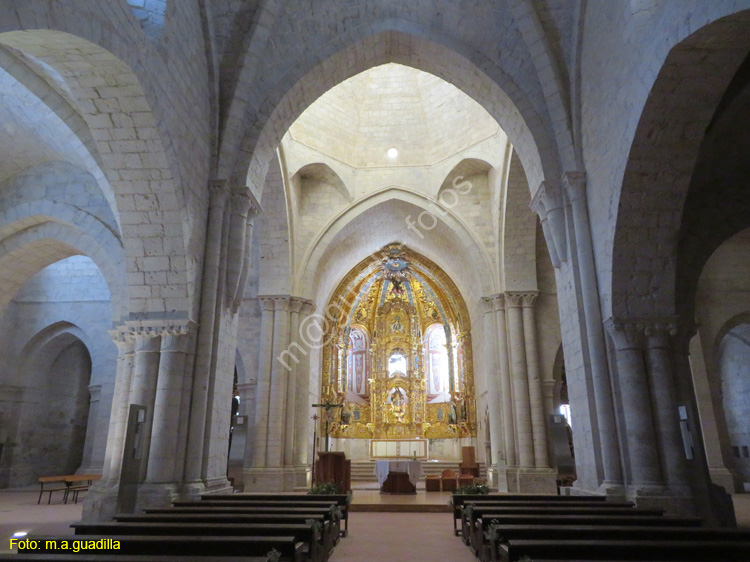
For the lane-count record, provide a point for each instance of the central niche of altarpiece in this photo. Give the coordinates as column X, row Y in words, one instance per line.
column 397, row 354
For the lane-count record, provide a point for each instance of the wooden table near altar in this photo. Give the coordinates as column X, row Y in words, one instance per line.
column 398, row 477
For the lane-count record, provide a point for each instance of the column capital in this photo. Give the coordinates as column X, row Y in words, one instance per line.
column 548, row 196
column 244, row 203
column 158, row 328
column 627, row 333
column 296, row 304
column 574, row 185
column 525, row 299
column 308, row 307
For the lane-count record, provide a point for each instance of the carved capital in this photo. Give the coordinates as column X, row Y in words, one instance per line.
column 548, row 196
column 244, row 203
column 626, row 333
column 296, row 304
column 525, row 299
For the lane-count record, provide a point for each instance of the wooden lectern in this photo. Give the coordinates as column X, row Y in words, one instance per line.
column 333, row 466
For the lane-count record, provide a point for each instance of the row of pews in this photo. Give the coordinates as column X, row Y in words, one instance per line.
column 248, row 527
column 545, row 528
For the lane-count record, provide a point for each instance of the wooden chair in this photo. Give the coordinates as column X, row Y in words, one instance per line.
column 432, row 483
column 448, row 480
column 465, row 480
column 468, row 464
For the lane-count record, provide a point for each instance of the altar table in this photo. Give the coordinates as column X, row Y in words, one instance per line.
column 413, row 468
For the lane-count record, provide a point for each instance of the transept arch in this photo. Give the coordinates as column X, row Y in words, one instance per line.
column 405, row 44
column 140, row 168
column 665, row 149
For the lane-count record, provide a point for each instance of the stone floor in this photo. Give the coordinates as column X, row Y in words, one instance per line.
column 396, row 537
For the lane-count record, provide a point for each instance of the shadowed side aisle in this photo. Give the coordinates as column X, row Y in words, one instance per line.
column 401, row 537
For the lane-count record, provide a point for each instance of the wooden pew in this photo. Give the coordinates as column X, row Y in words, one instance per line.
column 156, row 546
column 458, row 501
column 472, row 531
column 328, row 539
column 341, row 500
column 730, row 551
column 310, row 533
column 331, row 513
column 501, row 533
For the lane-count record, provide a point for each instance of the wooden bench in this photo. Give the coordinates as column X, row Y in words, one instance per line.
column 735, row 551
column 82, row 482
column 458, row 501
column 331, row 513
column 343, row 501
column 310, row 533
column 330, row 539
column 290, row 549
column 472, row 531
column 501, row 533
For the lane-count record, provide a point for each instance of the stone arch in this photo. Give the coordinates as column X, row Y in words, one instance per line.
column 391, row 41
column 729, row 325
column 663, row 155
column 466, row 167
column 316, row 173
column 367, row 220
column 519, row 231
column 54, row 404
column 142, row 170
column 38, row 242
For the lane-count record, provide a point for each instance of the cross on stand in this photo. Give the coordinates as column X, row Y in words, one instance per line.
column 328, row 406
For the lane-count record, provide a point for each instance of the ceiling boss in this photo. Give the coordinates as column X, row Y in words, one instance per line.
column 398, row 355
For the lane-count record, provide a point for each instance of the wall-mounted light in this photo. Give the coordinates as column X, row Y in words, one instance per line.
column 392, row 153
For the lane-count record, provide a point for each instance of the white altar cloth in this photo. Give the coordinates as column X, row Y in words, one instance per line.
column 414, row 468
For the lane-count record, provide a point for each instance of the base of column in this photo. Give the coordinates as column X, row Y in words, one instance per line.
column 532, row 480
column 100, row 502
column 498, row 477
column 674, row 500
column 301, row 478
column 730, row 481
column 269, row 479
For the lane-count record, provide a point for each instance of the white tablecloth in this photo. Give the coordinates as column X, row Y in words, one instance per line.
column 414, row 468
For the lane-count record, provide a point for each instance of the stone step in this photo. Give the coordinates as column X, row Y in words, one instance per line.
column 364, row 471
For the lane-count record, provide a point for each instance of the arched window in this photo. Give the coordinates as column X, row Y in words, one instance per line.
column 397, row 363
column 357, row 365
column 436, row 364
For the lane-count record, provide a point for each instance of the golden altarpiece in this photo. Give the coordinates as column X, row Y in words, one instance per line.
column 397, row 355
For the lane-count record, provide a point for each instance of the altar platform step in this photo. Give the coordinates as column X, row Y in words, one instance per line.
column 364, row 471
column 371, row 500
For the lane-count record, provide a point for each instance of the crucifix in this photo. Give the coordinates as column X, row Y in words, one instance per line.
column 328, row 406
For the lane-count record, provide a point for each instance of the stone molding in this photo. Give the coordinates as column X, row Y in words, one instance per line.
column 132, row 329
column 516, row 299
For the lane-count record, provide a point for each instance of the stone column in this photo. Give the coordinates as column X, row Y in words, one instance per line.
column 143, row 384
column 92, row 423
column 166, row 460
column 292, row 368
column 493, row 384
column 520, row 381
column 263, row 392
column 210, row 286
column 638, row 433
column 120, row 404
column 574, row 185
column 664, row 401
column 509, row 441
column 536, row 400
column 302, row 413
column 277, row 415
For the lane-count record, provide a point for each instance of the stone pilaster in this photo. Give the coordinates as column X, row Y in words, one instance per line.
column 503, row 360
column 536, row 399
column 494, row 397
column 520, row 381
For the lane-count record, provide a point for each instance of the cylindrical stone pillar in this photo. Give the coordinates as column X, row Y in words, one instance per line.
column 636, row 405
column 166, row 457
column 509, row 438
column 92, row 423
column 292, row 367
column 143, row 385
column 302, row 416
column 493, row 382
column 536, row 399
column 263, row 391
column 664, row 403
column 120, row 404
column 277, row 415
column 520, row 381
